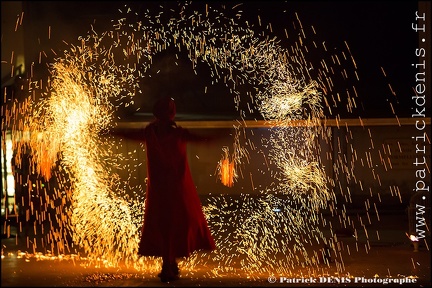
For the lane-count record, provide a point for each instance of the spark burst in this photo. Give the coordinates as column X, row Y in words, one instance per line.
column 76, row 110
column 87, row 85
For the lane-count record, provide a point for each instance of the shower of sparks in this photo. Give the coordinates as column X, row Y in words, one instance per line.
column 278, row 231
column 65, row 127
column 265, row 241
column 229, row 165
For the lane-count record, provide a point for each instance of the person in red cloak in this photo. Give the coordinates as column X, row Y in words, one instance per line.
column 174, row 222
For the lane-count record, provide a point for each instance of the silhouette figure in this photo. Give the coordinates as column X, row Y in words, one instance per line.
column 174, row 222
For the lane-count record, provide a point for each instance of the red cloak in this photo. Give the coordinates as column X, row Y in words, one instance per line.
column 173, row 217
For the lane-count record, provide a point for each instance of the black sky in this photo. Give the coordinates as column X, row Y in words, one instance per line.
column 378, row 33
column 379, row 36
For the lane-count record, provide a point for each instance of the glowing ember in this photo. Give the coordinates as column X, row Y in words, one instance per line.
column 227, row 170
column 413, row 238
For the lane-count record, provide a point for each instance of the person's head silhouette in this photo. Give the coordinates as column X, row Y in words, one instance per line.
column 164, row 109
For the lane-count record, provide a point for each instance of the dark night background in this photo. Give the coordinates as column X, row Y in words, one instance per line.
column 378, row 33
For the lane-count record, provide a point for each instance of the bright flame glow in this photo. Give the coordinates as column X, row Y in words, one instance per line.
column 227, row 170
